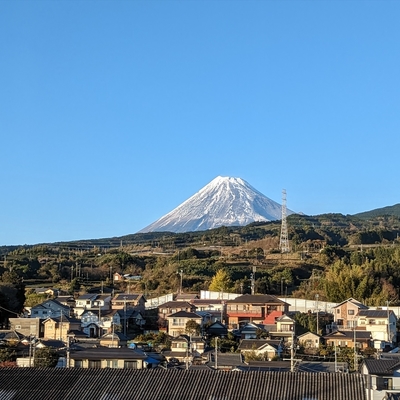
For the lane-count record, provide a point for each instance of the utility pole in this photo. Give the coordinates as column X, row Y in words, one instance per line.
column 68, row 351
column 336, row 370
column 61, row 324
column 292, row 352
column 355, row 349
column 30, row 349
column 253, row 280
column 317, row 296
column 125, row 316
column 216, row 352
column 181, row 274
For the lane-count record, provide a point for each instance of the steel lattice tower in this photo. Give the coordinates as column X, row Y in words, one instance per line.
column 284, row 242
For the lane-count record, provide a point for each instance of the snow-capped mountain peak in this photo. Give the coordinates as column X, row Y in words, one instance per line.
column 225, row 201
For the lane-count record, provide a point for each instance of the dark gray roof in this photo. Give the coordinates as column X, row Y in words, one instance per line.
column 374, row 313
column 87, row 296
column 256, row 299
column 381, row 367
column 360, row 335
column 127, row 297
column 184, row 314
column 316, row 366
column 177, row 304
column 159, row 384
column 207, row 301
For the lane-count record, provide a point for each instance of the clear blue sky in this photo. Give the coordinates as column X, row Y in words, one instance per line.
column 112, row 113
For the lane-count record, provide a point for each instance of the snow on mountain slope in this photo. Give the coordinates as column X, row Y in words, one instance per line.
column 224, row 201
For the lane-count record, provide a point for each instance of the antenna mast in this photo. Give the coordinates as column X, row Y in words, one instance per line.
column 284, row 242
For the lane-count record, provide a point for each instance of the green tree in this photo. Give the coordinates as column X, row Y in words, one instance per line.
column 192, row 327
column 34, row 299
column 45, row 357
column 7, row 354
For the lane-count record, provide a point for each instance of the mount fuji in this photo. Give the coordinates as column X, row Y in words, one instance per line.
column 224, row 201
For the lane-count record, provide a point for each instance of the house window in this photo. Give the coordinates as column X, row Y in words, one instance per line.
column 112, row 363
column 130, row 364
column 371, row 322
column 35, row 312
column 94, row 363
column 350, row 312
column 384, row 383
column 78, row 363
column 338, row 311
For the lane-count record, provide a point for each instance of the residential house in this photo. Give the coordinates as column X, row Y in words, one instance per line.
column 261, row 347
column 186, row 297
column 10, row 337
column 92, row 301
column 382, row 378
column 185, row 348
column 49, row 292
column 97, row 323
column 113, row 339
column 216, row 329
column 284, row 328
column 125, row 277
column 177, row 322
column 225, row 362
column 123, row 300
column 120, row 358
column 215, row 308
column 66, row 300
column 59, row 327
column 347, row 338
column 49, row 308
column 28, row 326
column 131, row 319
column 381, row 324
column 172, row 307
column 252, row 308
column 251, row 331
column 345, row 314
column 310, row 341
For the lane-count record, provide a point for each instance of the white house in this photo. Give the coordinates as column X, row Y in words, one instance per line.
column 381, row 324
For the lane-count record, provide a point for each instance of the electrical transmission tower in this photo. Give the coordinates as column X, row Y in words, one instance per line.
column 284, row 242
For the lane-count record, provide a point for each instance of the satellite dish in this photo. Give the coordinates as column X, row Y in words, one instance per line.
column 132, row 346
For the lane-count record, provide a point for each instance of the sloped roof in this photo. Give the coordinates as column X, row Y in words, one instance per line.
column 353, row 301
column 256, row 299
column 177, row 304
column 158, row 384
column 366, row 335
column 255, row 344
column 128, row 297
column 381, row 367
column 88, row 296
column 374, row 313
column 184, row 314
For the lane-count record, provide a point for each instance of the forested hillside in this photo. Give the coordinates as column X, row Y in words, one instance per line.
column 333, row 255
